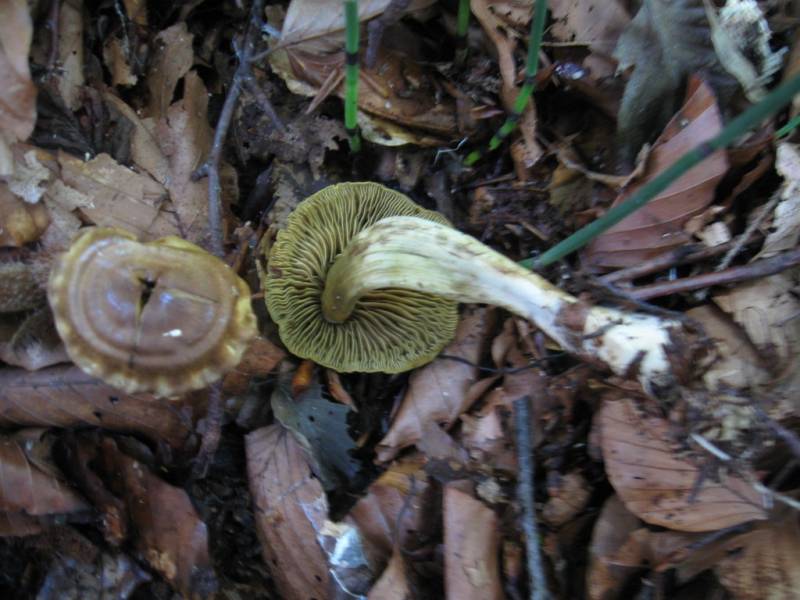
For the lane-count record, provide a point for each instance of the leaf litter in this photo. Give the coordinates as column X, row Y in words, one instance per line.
column 406, row 485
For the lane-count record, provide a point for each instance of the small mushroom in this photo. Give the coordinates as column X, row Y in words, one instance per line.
column 164, row 317
column 390, row 330
column 426, row 256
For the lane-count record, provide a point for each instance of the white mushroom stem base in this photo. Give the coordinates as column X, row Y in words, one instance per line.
column 413, row 253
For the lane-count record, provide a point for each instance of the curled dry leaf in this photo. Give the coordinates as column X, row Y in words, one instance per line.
column 67, row 397
column 658, row 226
column 33, row 488
column 17, row 92
column 170, row 535
column 290, row 510
column 785, row 231
column 471, row 553
column 657, row 483
column 437, row 392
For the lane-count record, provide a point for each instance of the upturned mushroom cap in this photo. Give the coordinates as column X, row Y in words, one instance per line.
column 390, row 330
column 164, row 317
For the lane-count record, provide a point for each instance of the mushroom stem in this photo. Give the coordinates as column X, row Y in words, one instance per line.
column 416, row 254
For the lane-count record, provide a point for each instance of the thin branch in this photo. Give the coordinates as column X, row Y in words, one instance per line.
column 525, row 496
column 760, row 268
column 242, row 77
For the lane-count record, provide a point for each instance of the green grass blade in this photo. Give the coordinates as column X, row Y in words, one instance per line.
column 351, row 70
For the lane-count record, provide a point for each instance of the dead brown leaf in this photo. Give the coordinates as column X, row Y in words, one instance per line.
column 33, row 488
column 69, row 75
column 20, row 222
column 762, row 564
column 471, row 563
column 260, row 358
column 604, row 578
column 437, row 392
column 658, row 227
column 111, row 195
column 393, row 584
column 785, row 231
column 169, row 532
column 67, row 397
column 657, row 483
column 290, row 510
column 185, row 136
column 17, row 92
column 594, row 23
column 569, row 495
column 173, row 59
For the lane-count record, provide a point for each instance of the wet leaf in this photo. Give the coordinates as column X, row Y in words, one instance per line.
column 471, row 553
column 658, row 226
column 67, row 397
column 657, row 483
column 290, row 510
column 320, row 427
column 436, row 393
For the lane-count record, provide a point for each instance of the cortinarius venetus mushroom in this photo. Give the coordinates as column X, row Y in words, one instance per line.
column 426, row 256
column 164, row 317
column 391, row 330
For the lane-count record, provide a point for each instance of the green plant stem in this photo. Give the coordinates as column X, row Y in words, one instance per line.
column 462, row 23
column 531, row 66
column 773, row 102
column 788, row 128
column 351, row 73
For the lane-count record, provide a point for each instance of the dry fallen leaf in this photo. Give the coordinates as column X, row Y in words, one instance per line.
column 471, row 569
column 763, row 564
column 658, row 226
column 69, row 74
column 17, row 92
column 657, row 483
column 569, row 495
column 169, row 533
column 436, row 393
column 67, row 397
column 393, row 584
column 594, row 23
column 173, row 59
column 604, row 578
column 35, row 489
column 785, row 231
column 20, row 222
column 290, row 510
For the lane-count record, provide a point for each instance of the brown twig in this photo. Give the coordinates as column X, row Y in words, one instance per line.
column 246, row 54
column 759, row 268
column 525, row 494
column 682, row 255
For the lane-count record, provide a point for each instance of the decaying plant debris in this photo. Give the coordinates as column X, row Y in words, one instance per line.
column 623, row 424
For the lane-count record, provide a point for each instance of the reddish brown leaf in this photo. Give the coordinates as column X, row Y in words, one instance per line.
column 569, row 495
column 471, row 552
column 657, row 484
column 26, row 488
column 437, row 392
column 290, row 510
column 658, row 226
column 67, row 397
column 393, row 583
column 603, row 577
column 259, row 359
column 170, row 534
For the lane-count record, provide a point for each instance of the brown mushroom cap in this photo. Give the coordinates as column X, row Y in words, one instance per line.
column 390, row 330
column 164, row 317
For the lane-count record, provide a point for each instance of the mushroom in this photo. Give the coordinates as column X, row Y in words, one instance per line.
column 401, row 254
column 164, row 316
column 391, row 330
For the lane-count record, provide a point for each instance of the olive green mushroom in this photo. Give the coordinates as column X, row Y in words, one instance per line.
column 423, row 255
column 164, row 317
column 390, row 330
